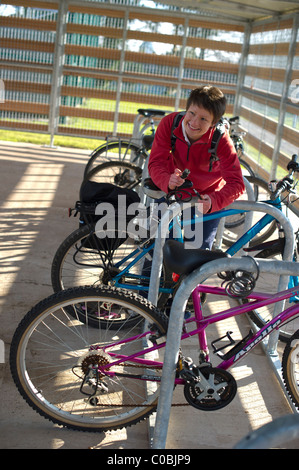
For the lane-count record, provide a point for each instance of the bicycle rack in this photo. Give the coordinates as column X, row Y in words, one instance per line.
column 248, row 217
column 280, row 431
column 284, row 268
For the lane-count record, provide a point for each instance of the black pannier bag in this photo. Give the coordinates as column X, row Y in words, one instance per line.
column 91, row 195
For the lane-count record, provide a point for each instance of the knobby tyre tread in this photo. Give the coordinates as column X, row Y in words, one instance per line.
column 290, row 368
column 34, row 320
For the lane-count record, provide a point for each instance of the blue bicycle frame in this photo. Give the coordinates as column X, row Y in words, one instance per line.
column 139, row 253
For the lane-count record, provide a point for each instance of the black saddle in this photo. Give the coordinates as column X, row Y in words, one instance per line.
column 181, row 260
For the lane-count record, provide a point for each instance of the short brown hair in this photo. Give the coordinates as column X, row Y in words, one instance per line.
column 210, row 98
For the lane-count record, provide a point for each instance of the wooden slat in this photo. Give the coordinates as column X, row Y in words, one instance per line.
column 214, row 45
column 25, row 107
column 100, row 9
column 23, row 126
column 29, row 87
column 86, row 113
column 35, row 68
column 23, row 44
column 28, row 23
column 266, row 73
column 263, row 147
column 36, row 4
column 94, row 30
column 262, row 99
column 211, row 66
column 291, row 135
column 88, row 51
column 82, row 92
column 284, row 24
column 259, row 119
column 205, row 23
column 269, row 49
column 155, row 37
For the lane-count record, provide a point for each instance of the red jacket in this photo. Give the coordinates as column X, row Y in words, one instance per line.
column 223, row 184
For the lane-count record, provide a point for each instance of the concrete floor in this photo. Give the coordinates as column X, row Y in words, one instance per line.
column 38, row 184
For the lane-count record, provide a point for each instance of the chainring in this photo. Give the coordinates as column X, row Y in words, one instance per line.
column 216, row 391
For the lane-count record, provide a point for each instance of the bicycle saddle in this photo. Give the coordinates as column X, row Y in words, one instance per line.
column 181, row 260
column 151, row 112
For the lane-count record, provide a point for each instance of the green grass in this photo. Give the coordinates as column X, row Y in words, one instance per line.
column 44, row 139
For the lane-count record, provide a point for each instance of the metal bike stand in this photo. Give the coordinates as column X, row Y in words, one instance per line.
column 247, row 221
column 162, row 230
column 278, row 432
column 283, row 268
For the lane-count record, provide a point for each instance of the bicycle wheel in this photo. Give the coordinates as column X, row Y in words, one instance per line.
column 290, row 368
column 117, row 151
column 269, row 283
column 85, row 259
column 62, row 368
column 231, row 234
column 122, row 174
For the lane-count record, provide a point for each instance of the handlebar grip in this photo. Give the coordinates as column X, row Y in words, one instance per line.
column 282, row 186
column 293, row 164
column 185, row 173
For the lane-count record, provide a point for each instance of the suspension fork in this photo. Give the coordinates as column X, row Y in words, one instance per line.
column 202, row 337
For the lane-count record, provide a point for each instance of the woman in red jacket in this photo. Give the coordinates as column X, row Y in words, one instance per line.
column 219, row 184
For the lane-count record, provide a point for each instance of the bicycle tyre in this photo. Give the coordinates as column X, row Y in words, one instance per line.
column 239, row 219
column 55, row 361
column 122, row 174
column 259, row 318
column 229, row 237
column 75, row 264
column 118, row 151
column 290, row 368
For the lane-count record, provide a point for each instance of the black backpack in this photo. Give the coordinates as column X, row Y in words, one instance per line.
column 220, row 128
column 91, row 195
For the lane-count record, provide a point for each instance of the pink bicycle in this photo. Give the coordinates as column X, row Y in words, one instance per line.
column 95, row 379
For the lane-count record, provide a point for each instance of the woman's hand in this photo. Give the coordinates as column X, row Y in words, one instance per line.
column 175, row 179
column 205, row 204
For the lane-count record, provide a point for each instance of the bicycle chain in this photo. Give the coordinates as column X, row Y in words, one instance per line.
column 138, row 406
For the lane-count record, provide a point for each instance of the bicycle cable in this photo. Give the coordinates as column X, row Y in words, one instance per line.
column 240, row 283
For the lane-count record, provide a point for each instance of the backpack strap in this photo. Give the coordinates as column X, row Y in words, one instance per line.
column 220, row 128
column 175, row 123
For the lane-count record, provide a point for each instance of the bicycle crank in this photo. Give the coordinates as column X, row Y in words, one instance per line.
column 209, row 388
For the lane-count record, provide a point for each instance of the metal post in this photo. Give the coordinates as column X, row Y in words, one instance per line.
column 57, row 74
column 184, row 291
column 181, row 69
column 120, row 76
column 284, row 97
column 242, row 68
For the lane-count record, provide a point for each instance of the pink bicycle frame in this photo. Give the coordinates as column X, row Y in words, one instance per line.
column 258, row 300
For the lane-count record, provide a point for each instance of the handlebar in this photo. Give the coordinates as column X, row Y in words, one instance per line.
column 287, row 182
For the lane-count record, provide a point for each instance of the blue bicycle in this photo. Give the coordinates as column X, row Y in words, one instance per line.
column 87, row 258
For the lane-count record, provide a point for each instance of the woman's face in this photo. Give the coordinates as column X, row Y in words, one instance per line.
column 197, row 122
